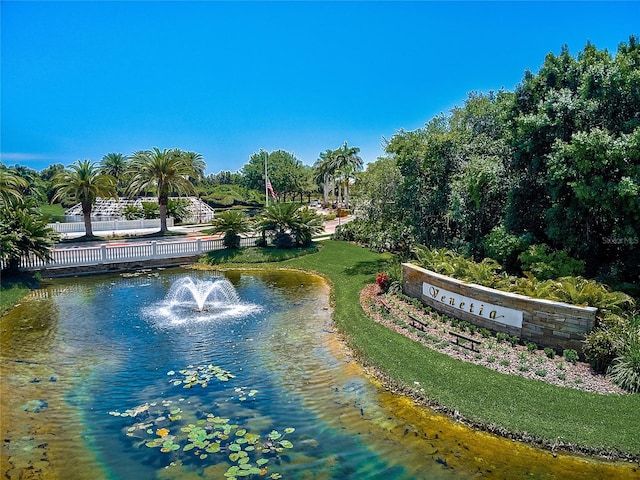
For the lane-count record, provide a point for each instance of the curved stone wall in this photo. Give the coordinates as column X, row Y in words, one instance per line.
column 547, row 323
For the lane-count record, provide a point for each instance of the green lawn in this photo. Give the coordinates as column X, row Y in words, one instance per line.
column 519, row 405
column 50, row 209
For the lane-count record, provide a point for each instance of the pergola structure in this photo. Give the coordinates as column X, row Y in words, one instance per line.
column 198, row 211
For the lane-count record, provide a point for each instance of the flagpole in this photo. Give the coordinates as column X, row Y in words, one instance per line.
column 266, row 179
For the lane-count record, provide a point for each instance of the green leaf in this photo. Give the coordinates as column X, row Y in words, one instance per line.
column 213, row 448
column 232, row 471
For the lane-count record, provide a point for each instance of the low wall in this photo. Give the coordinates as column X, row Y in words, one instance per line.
column 547, row 323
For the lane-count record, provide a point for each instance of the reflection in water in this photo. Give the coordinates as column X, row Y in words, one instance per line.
column 98, row 347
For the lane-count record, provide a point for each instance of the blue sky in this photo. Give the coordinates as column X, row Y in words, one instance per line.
column 225, row 79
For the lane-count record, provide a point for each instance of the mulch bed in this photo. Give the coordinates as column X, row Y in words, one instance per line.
column 498, row 356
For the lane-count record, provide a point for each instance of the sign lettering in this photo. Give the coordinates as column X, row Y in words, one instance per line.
column 496, row 313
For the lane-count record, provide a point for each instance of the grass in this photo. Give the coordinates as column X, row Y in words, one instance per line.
column 551, row 413
column 255, row 255
column 52, row 209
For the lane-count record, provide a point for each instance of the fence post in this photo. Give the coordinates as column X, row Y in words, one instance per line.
column 103, row 252
column 154, row 248
column 199, row 242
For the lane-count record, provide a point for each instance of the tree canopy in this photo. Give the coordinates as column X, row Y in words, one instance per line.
column 555, row 163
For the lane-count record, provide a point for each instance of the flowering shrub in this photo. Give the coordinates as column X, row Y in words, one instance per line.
column 382, row 280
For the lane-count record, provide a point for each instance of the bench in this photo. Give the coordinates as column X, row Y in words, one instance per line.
column 415, row 322
column 466, row 339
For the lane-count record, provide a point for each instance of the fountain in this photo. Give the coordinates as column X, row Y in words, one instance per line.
column 200, row 300
column 207, row 294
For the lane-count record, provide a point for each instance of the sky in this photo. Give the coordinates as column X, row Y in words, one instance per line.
column 226, row 79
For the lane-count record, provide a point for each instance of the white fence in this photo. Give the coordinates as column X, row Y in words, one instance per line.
column 109, row 225
column 127, row 252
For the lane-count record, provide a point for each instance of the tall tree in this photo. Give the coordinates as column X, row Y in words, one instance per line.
column 165, row 171
column 115, row 164
column 82, row 182
column 323, row 169
column 345, row 164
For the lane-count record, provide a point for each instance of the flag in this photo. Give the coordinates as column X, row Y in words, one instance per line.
column 270, row 188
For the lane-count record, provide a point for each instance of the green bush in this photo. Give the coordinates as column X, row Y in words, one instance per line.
column 550, row 352
column 570, row 355
column 625, row 369
column 505, row 247
column 545, row 264
column 283, row 240
column 532, row 347
column 601, row 347
column 150, row 210
column 231, row 240
column 485, row 332
column 131, row 212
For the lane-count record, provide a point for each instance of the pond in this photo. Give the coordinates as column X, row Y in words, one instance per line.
column 180, row 374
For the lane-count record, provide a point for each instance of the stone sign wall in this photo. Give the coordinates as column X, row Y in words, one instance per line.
column 547, row 323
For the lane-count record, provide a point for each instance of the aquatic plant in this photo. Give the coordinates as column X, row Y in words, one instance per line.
column 205, row 436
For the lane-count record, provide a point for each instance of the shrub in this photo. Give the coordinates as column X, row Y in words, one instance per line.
column 541, row 373
column 131, row 212
column 231, row 240
column 570, row 355
column 546, row 265
column 501, row 336
column 150, row 210
column 505, row 363
column 532, row 347
column 283, row 240
column 382, row 280
column 625, row 369
column 505, row 247
column 513, row 340
column 485, row 332
column 600, row 349
column 549, row 352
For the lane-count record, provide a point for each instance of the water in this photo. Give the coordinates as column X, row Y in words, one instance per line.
column 95, row 349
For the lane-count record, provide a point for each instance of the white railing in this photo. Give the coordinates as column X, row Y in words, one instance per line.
column 109, row 225
column 127, row 252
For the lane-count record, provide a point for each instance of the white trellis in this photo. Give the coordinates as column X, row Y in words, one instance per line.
column 197, row 210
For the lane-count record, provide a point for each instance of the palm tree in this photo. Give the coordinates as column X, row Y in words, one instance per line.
column 166, row 171
column 24, row 231
column 347, row 162
column 290, row 224
column 309, row 224
column 232, row 223
column 323, row 169
column 11, row 186
column 114, row 164
column 83, row 183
